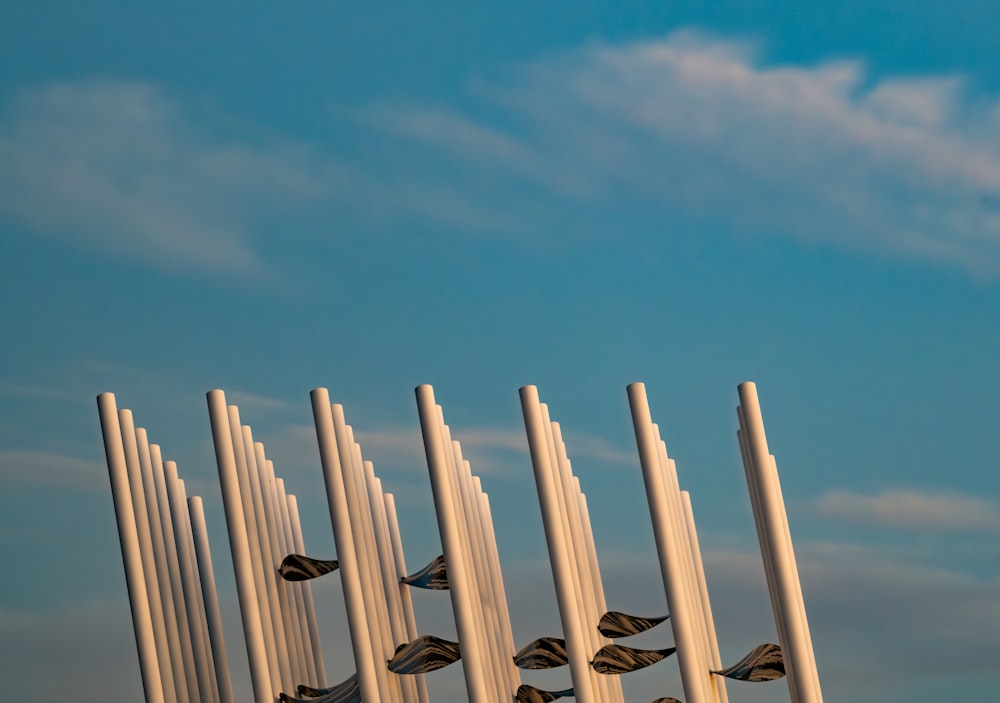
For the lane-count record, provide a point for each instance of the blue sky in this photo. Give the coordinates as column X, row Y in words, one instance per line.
column 272, row 197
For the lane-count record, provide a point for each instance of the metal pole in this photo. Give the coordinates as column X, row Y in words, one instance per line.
column 240, row 548
column 135, row 580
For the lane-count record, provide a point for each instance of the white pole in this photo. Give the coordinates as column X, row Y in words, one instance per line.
column 695, row 680
column 485, row 654
column 240, row 548
column 487, row 596
column 699, row 570
column 387, row 562
column 267, row 535
column 296, row 602
column 614, row 682
column 185, row 561
column 494, row 555
column 682, row 542
column 181, row 658
column 361, row 528
column 307, row 597
column 754, row 491
column 135, row 580
column 494, row 674
column 566, row 494
column 795, row 575
column 173, row 682
column 451, row 542
column 796, row 649
column 556, row 540
column 277, row 656
column 349, row 569
column 206, row 571
column 170, row 544
column 404, row 590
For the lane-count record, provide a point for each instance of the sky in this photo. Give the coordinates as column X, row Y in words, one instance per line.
column 272, row 197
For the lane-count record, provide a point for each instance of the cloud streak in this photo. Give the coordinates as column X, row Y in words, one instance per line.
column 116, row 167
column 911, row 510
column 605, row 141
column 690, row 126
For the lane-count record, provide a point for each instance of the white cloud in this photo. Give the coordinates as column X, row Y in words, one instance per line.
column 911, row 509
column 51, row 469
column 685, row 129
column 693, row 126
column 114, row 166
column 882, row 626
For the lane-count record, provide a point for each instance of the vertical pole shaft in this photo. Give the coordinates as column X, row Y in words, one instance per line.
column 240, row 548
column 210, row 595
column 451, row 542
column 128, row 535
column 310, row 606
column 349, row 568
column 556, row 540
column 695, row 681
column 796, row 649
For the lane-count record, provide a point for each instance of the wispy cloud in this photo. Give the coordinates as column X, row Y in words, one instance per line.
column 117, row 167
column 51, row 469
column 912, row 510
column 687, row 129
column 693, row 126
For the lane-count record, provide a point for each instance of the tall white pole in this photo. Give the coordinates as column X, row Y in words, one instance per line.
column 277, row 659
column 194, row 645
column 307, row 597
column 210, row 595
column 387, row 563
column 135, row 580
column 814, row 674
column 170, row 545
column 296, row 604
column 174, row 685
column 189, row 577
column 695, row 680
column 266, row 536
column 240, row 548
column 761, row 534
column 556, row 540
column 583, row 586
column 713, row 641
column 451, row 542
column 404, row 590
column 683, row 544
column 798, row 659
column 349, row 568
column 181, row 657
column 494, row 675
column 361, row 528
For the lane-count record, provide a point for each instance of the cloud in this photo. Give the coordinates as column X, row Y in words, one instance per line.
column 911, row 510
column 115, row 167
column 51, row 469
column 597, row 142
column 882, row 626
column 698, row 129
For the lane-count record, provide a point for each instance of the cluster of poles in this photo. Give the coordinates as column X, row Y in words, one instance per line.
column 175, row 608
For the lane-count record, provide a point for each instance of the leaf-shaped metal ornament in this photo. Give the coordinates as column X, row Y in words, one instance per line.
column 619, row 659
column 614, row 624
column 763, row 663
column 424, row 654
column 543, row 653
column 347, row 691
column 433, row 577
column 296, row 567
column 530, row 694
